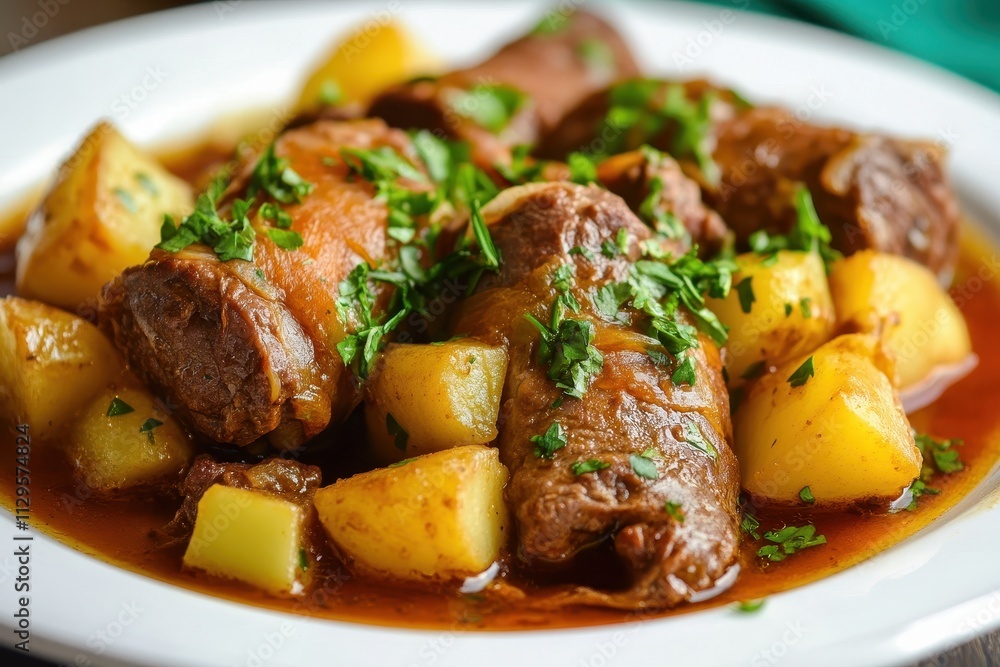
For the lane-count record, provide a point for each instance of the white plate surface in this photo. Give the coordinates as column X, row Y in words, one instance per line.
column 166, row 75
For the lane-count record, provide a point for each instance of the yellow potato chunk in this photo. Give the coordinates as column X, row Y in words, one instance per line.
column 923, row 329
column 375, row 55
column 249, row 536
column 51, row 364
column 103, row 214
column 124, row 439
column 842, row 432
column 437, row 517
column 438, row 396
column 779, row 308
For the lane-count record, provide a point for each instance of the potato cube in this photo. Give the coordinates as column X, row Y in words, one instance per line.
column 364, row 63
column 923, row 328
column 103, row 214
column 249, row 536
column 779, row 308
column 123, row 439
column 425, row 398
column 438, row 517
column 51, row 364
column 841, row 431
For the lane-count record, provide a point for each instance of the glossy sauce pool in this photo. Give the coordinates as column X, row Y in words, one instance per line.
column 118, row 530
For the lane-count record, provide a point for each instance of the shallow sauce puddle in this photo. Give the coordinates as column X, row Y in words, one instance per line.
column 118, row 531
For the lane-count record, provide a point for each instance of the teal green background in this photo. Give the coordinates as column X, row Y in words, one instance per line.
column 960, row 35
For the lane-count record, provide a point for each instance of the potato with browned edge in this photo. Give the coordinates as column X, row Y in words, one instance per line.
column 830, row 421
column 51, row 364
column 103, row 214
column 438, row 517
column 425, row 398
column 779, row 308
column 922, row 328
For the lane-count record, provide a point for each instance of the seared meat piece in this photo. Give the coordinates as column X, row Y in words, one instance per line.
column 290, row 480
column 247, row 350
column 566, row 58
column 676, row 209
column 630, row 409
column 872, row 191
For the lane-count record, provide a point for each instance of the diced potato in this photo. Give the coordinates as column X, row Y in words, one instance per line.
column 923, row 329
column 439, row 396
column 437, row 517
column 842, row 433
column 791, row 311
column 140, row 447
column 51, row 364
column 249, row 536
column 103, row 214
column 374, row 56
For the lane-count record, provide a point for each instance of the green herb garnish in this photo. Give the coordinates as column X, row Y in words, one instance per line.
column 118, row 407
column 802, row 373
column 548, row 443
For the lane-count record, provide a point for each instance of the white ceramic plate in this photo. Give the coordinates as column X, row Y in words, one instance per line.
column 166, row 75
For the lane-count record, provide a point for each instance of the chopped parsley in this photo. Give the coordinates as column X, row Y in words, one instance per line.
column 805, row 304
column 788, row 309
column 938, row 457
column 662, row 219
column 802, row 373
column 643, row 466
column 398, row 464
column 642, row 110
column 274, row 176
column 303, row 560
column 808, row 233
column 749, row 606
column 125, row 197
column 398, row 433
column 586, row 253
column 490, row 106
column 548, row 443
column 750, row 525
column 330, row 93
column 685, row 372
column 674, row 510
column 694, row 439
column 744, row 289
column 788, row 541
column 806, row 495
column 597, row 54
column 147, row 184
column 582, row 168
column 591, row 465
column 565, row 348
column 149, row 426
column 118, row 407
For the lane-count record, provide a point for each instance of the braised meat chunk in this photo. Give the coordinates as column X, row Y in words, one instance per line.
column 635, row 459
column 248, row 349
column 518, row 93
column 871, row 190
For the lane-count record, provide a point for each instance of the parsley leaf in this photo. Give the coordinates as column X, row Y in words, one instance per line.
column 148, row 426
column 744, row 289
column 274, row 176
column 685, row 372
column 789, row 540
column 694, row 438
column 490, row 106
column 674, row 510
column 802, row 373
column 750, row 525
column 749, row 606
column 398, row 433
column 808, row 233
column 582, row 168
column 591, row 465
column 118, row 407
column 806, row 496
column 548, row 443
column 643, row 466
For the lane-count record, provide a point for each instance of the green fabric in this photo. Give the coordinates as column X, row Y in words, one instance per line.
column 960, row 35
